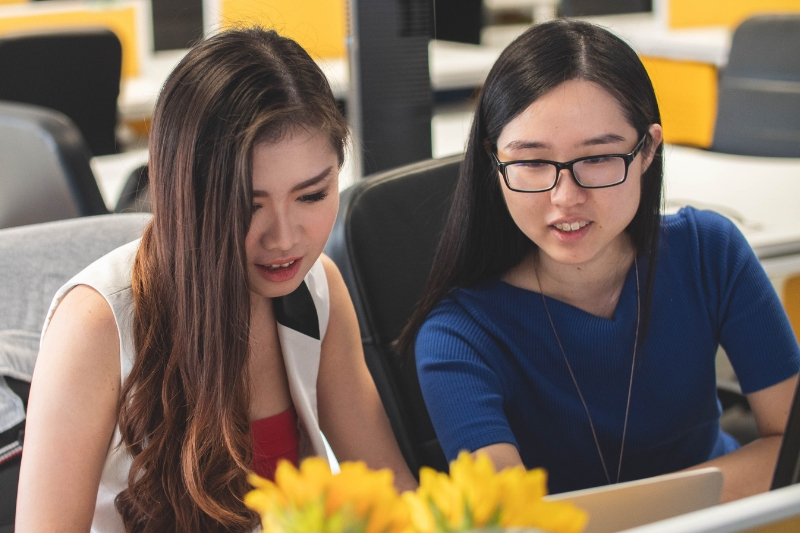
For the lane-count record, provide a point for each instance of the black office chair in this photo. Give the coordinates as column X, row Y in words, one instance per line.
column 135, row 195
column 75, row 71
column 35, row 260
column 384, row 241
column 44, row 168
column 759, row 91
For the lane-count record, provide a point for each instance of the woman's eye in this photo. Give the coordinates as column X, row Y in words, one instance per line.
column 532, row 164
column 255, row 208
column 598, row 160
column 314, row 197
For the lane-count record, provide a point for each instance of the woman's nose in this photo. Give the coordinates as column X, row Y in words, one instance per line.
column 567, row 191
column 280, row 233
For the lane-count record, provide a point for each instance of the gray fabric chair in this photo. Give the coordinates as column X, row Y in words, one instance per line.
column 44, row 168
column 759, row 92
column 35, row 261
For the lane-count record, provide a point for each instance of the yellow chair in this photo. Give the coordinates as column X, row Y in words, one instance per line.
column 791, row 302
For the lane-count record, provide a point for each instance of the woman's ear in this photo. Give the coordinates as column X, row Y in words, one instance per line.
column 656, row 138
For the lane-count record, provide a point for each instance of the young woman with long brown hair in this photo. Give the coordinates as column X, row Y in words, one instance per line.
column 235, row 338
column 567, row 322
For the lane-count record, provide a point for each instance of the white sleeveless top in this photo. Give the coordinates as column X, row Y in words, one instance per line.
column 302, row 321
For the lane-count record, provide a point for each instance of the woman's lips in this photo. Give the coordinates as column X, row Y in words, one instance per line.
column 570, row 235
column 281, row 271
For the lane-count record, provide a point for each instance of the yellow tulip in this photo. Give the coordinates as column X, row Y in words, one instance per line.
column 306, row 484
column 482, row 488
column 419, row 512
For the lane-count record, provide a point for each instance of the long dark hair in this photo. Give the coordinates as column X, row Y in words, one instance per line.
column 480, row 239
column 184, row 407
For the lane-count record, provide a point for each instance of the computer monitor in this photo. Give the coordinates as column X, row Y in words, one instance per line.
column 787, row 469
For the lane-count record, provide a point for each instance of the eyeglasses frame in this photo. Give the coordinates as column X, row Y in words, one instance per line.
column 627, row 158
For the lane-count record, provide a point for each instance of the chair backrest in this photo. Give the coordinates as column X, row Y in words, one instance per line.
column 759, row 91
column 384, row 241
column 135, row 195
column 35, row 261
column 44, row 168
column 75, row 71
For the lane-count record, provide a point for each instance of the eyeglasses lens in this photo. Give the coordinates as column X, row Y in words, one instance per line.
column 596, row 172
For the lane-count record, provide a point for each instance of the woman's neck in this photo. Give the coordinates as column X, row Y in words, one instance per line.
column 594, row 286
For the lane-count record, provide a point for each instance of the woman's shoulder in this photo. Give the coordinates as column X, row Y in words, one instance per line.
column 468, row 309
column 705, row 229
column 110, row 273
column 100, row 297
column 694, row 218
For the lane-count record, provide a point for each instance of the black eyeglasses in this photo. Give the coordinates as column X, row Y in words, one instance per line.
column 591, row 172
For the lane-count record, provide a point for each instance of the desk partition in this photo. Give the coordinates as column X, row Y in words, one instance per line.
column 729, row 13
column 129, row 19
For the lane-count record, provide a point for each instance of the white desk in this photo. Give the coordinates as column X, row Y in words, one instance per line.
column 760, row 194
column 747, row 515
column 452, row 66
column 647, row 35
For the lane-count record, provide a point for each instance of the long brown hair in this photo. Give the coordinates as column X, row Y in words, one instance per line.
column 184, row 407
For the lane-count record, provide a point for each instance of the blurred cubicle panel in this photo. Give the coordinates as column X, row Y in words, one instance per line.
column 75, row 71
column 583, row 8
column 390, row 103
column 44, row 168
column 319, row 26
column 177, row 24
column 759, row 90
column 458, row 20
column 128, row 19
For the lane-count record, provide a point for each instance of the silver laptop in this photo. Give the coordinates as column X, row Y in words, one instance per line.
column 622, row 506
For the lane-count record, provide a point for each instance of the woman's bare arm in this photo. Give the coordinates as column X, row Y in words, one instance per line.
column 746, row 471
column 351, row 413
column 71, row 416
column 749, row 470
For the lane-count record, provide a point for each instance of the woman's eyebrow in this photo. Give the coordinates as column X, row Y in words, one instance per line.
column 258, row 193
column 606, row 138
column 313, row 181
column 522, row 145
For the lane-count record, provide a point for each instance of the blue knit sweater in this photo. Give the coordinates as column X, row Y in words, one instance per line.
column 491, row 370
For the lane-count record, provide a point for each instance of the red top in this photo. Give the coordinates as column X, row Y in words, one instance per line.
column 274, row 438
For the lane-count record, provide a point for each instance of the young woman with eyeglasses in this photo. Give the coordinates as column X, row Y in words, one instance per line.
column 567, row 323
column 222, row 341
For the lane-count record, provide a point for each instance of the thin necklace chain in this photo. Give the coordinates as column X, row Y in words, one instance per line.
column 575, row 381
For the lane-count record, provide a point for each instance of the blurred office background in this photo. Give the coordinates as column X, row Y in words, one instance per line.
column 406, row 73
column 79, row 80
